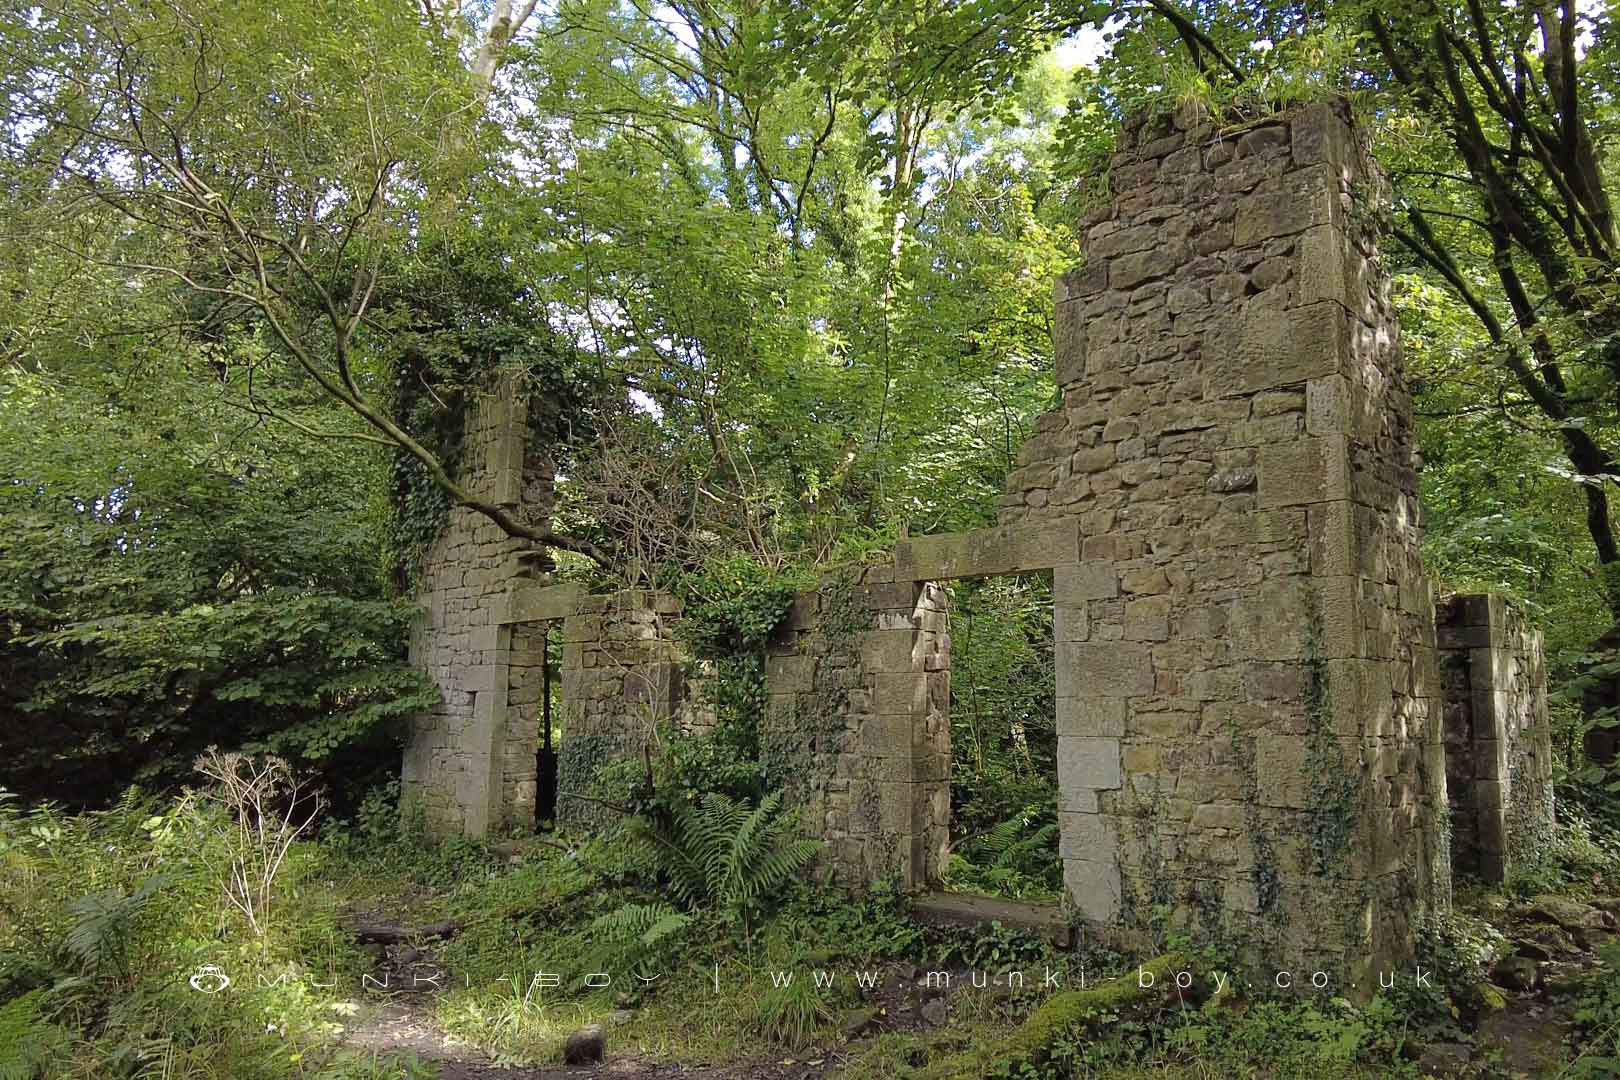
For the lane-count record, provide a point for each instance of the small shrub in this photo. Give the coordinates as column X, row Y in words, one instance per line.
column 860, row 927
column 1017, row 858
column 637, row 937
column 98, row 939
column 1598, row 1015
column 28, row 1040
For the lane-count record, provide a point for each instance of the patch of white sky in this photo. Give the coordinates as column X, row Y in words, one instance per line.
column 1082, row 49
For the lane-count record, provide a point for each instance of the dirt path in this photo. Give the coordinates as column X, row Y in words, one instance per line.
column 402, row 1027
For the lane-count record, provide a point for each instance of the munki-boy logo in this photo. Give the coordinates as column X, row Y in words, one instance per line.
column 209, row 979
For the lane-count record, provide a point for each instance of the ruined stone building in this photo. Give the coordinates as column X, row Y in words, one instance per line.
column 1264, row 731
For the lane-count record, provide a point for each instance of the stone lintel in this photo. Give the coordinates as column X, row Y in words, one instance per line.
column 1001, row 549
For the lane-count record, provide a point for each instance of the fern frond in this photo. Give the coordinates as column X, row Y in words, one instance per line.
column 99, row 936
column 633, row 934
column 28, row 1041
column 729, row 855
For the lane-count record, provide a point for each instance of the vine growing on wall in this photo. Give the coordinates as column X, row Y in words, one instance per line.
column 732, row 607
column 421, row 507
column 1334, row 785
column 1263, row 872
column 452, row 332
column 802, row 753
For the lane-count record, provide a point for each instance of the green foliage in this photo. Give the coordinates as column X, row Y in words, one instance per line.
column 1577, row 853
column 162, row 590
column 98, row 939
column 1017, row 858
column 383, row 840
column 131, row 894
column 1598, row 1015
column 637, row 937
column 1004, row 739
column 460, row 317
column 728, row 855
column 732, row 607
column 872, row 925
column 687, row 768
column 28, row 1040
column 992, row 947
column 1458, row 948
column 1335, row 789
column 792, row 1015
column 356, row 1066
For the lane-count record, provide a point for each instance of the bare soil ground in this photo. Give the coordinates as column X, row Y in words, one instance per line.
column 402, row 1026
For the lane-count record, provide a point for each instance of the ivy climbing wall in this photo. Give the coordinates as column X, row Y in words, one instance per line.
column 1499, row 761
column 1247, row 742
column 464, row 768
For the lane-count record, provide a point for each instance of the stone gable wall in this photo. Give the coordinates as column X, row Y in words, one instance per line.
column 457, row 755
column 487, row 605
column 1246, row 663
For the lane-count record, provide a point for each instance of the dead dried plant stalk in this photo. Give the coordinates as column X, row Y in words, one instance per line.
column 266, row 808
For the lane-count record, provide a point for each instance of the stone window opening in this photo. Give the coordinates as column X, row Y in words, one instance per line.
column 1003, row 820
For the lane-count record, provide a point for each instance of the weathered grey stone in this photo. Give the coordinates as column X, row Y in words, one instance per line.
column 1107, row 669
column 1094, row 887
column 1070, row 623
column 1516, row 973
column 1498, row 753
column 1128, row 271
column 1078, row 583
column 1320, row 136
column 1303, row 199
column 987, row 552
column 1224, row 483
column 1089, row 714
column 1090, row 761
column 1304, row 471
column 1262, row 140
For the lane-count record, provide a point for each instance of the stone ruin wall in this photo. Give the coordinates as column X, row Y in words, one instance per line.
column 1250, row 663
column 857, row 724
column 463, row 769
column 621, row 676
column 470, row 765
column 1499, row 759
column 1250, row 741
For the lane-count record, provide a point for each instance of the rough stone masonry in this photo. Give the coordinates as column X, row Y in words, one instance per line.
column 1252, row 744
column 1499, row 759
column 1247, row 671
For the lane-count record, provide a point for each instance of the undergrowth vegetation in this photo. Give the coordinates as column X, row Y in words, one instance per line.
column 698, row 938
column 116, row 937
column 1004, row 798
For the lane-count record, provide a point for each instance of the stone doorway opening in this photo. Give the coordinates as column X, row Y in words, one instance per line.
column 536, row 700
column 1004, row 823
column 550, row 719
